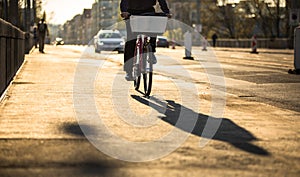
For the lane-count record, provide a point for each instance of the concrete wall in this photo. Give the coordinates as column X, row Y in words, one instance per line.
column 12, row 52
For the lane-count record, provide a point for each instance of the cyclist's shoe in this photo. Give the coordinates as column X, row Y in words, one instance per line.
column 153, row 57
column 129, row 77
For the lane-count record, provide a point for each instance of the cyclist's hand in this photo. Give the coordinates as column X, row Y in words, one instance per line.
column 125, row 15
column 169, row 15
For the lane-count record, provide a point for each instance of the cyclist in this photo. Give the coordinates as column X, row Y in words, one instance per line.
column 138, row 7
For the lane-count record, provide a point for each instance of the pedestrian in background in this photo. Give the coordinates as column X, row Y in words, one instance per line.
column 35, row 36
column 42, row 32
column 214, row 39
column 204, row 44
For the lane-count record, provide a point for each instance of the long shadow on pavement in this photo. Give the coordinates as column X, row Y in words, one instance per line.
column 87, row 160
column 75, row 129
column 228, row 131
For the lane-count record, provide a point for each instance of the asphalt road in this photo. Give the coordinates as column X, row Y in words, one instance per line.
column 69, row 112
column 268, row 74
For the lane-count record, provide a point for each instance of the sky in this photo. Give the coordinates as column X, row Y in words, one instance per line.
column 59, row 11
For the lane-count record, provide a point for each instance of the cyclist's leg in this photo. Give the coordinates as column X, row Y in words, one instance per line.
column 153, row 44
column 129, row 51
column 128, row 55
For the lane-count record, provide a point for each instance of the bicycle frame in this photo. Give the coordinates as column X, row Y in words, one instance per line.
column 142, row 62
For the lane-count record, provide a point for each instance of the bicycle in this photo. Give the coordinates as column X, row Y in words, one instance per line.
column 145, row 26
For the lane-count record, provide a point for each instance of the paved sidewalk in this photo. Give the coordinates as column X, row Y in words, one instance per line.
column 40, row 135
column 40, row 96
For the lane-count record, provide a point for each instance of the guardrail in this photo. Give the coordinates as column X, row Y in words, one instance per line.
column 12, row 52
column 276, row 43
column 272, row 43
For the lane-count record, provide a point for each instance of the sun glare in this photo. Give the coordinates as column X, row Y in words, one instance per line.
column 59, row 11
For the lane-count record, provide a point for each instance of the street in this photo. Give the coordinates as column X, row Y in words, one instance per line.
column 70, row 112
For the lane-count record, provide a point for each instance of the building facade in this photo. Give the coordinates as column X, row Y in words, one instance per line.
column 78, row 30
column 228, row 18
column 82, row 28
column 105, row 13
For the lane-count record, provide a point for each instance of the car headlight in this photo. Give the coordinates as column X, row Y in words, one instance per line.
column 122, row 43
column 100, row 43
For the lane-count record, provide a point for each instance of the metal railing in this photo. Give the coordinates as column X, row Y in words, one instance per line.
column 277, row 43
column 12, row 52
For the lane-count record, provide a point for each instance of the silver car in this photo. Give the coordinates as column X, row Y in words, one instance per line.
column 109, row 40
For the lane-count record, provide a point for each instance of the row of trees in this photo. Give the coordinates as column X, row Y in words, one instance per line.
column 242, row 19
column 256, row 16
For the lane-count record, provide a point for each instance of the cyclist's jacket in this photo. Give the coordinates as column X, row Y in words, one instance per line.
column 142, row 6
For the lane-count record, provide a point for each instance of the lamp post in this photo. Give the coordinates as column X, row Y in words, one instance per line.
column 5, row 9
column 198, row 12
column 98, row 13
column 293, row 6
column 197, row 26
column 28, row 19
column 13, row 12
column 34, row 10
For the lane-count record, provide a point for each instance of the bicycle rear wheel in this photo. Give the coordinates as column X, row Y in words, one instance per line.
column 137, row 82
column 147, row 77
column 137, row 65
column 148, row 69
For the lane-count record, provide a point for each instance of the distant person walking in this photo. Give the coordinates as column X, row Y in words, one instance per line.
column 214, row 39
column 42, row 31
column 35, row 36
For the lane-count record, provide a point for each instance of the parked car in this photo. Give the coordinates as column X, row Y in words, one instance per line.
column 109, row 40
column 162, row 41
column 59, row 41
